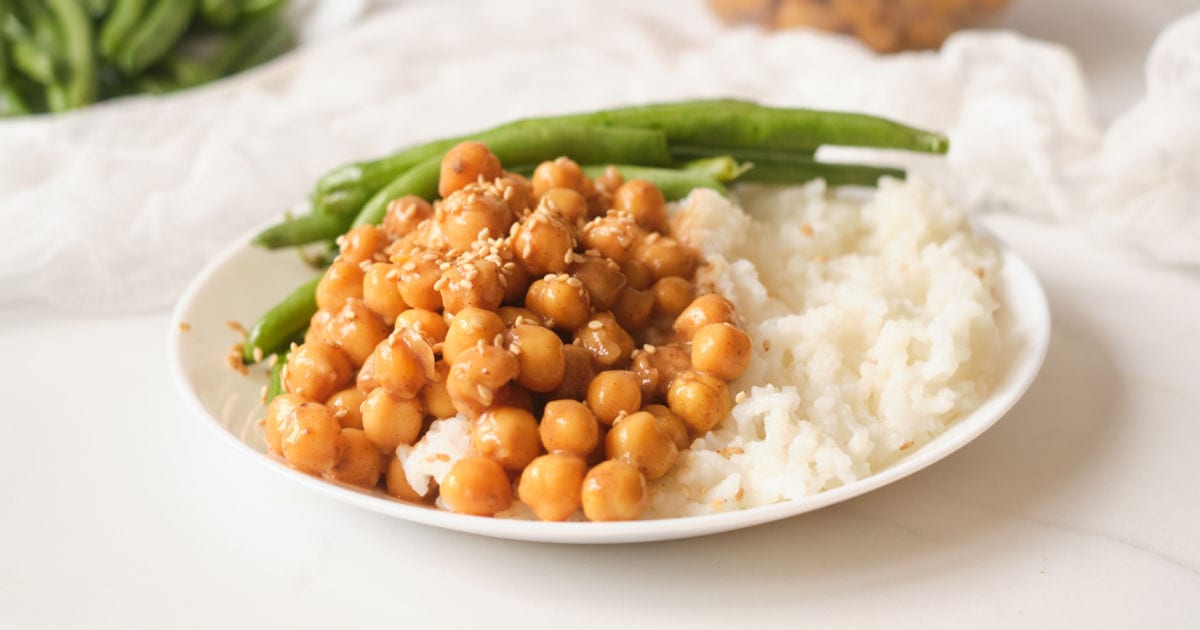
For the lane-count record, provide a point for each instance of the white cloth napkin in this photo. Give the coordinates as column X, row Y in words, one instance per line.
column 114, row 208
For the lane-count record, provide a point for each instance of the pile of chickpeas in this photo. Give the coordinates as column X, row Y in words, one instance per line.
column 557, row 313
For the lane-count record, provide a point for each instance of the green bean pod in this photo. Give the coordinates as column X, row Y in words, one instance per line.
column 674, row 183
column 276, row 329
column 119, row 23
column 219, row 13
column 796, row 172
column 302, row 230
column 164, row 24
column 275, row 382
column 76, row 26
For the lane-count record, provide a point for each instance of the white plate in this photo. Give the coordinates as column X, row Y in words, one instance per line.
column 245, row 280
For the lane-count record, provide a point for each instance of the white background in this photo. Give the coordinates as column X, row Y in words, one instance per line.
column 119, row 509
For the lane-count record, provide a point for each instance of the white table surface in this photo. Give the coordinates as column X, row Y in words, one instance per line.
column 1079, row 509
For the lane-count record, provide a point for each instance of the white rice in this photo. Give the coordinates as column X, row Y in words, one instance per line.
column 880, row 319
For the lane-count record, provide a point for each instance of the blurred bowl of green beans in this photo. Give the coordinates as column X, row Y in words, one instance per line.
column 59, row 55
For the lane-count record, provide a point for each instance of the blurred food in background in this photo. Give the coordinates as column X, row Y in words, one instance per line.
column 57, row 55
column 884, row 25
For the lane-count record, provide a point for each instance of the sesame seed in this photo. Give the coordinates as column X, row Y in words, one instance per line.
column 258, row 354
column 236, row 327
column 184, row 327
column 650, row 349
column 740, row 398
column 595, row 324
column 498, row 339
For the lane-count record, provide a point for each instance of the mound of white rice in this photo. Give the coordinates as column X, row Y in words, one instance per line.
column 874, row 327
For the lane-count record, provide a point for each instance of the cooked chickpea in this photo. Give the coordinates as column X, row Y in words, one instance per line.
column 577, row 373
column 435, row 396
column 656, row 369
column 318, row 327
column 670, row 425
column 404, row 215
column 397, row 482
column 365, row 380
column 568, row 426
column 722, row 350
column 418, row 275
column 470, row 214
column 465, row 164
column 511, row 314
column 671, row 295
column 315, row 370
column 561, row 173
column 360, row 243
column 666, row 257
column 561, row 299
column 389, row 420
column 601, row 278
column 613, row 491
column 614, row 235
column 346, row 406
column 468, row 328
column 551, row 486
column 610, row 179
column 613, row 393
column 566, row 203
column 637, row 440
column 342, row 281
column 278, row 415
column 700, row 400
column 399, row 367
column 472, row 284
column 633, row 308
column 544, row 243
column 516, row 281
column 637, row 274
column 645, row 202
column 540, row 354
column 356, row 330
column 608, row 342
column 513, row 395
column 477, row 485
column 477, row 375
column 361, row 463
column 381, row 291
column 313, row 440
column 517, row 192
column 508, row 435
column 430, row 324
column 707, row 309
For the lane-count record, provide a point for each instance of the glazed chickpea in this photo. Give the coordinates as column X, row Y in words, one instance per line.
column 517, row 192
column 613, row 393
column 278, row 415
column 360, row 243
column 516, row 281
column 356, row 330
column 666, row 257
column 430, row 324
column 475, row 283
column 540, row 354
column 468, row 328
column 551, row 486
column 656, row 369
column 568, row 426
column 671, row 295
column 613, row 491
column 381, row 291
column 314, row 371
column 700, row 400
column 637, row 440
column 418, row 275
column 361, row 464
column 342, row 281
column 508, row 435
column 470, row 214
column 610, row 179
column 645, row 202
column 577, row 373
column 544, row 243
column 346, row 407
column 397, row 482
column 614, row 235
column 707, row 309
column 722, row 350
column 601, row 278
column 633, row 308
column 465, row 164
column 399, row 367
column 477, row 485
column 477, row 375
column 561, row 299
column 513, row 395
column 435, row 396
column 365, row 380
column 389, row 420
column 561, row 173
column 404, row 215
column 313, row 440
column 637, row 274
column 515, row 315
column 566, row 203
column 318, row 327
column 670, row 425
column 609, row 344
